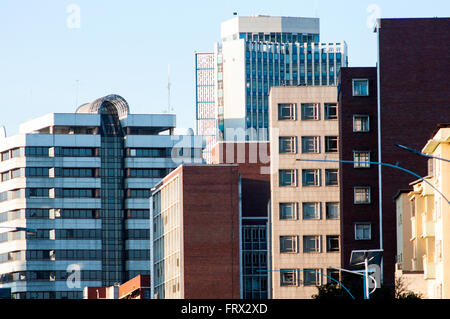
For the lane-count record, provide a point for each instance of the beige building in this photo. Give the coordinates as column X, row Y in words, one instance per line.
column 429, row 249
column 304, row 194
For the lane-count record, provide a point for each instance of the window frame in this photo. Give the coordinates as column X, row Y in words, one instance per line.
column 327, row 174
column 360, row 163
column 294, row 242
column 326, row 112
column 363, row 224
column 294, row 210
column 316, row 111
column 317, row 177
column 369, row 200
column 317, row 210
column 361, row 116
column 316, row 142
column 292, row 109
column 291, row 140
column 294, row 177
column 360, row 80
column 327, row 140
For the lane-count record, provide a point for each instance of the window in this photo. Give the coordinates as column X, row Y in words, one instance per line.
column 332, row 243
column 363, row 231
column 311, row 244
column 37, row 171
column 332, row 210
column 361, row 195
column 287, row 144
column 311, row 177
column 37, row 192
column 287, row 111
column 310, row 111
column 5, row 176
column 361, row 159
column 331, row 177
column 310, row 144
column 330, row 111
column 5, row 156
column 331, row 144
column 311, row 277
column 288, row 244
column 332, row 274
column 37, row 151
column 311, row 210
column 288, row 211
column 288, row 277
column 361, row 123
column 360, row 87
column 288, row 177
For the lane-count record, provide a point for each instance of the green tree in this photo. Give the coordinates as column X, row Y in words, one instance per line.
column 331, row 291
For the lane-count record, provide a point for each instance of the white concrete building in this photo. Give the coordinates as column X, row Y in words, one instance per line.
column 83, row 181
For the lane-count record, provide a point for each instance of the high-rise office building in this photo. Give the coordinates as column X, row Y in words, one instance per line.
column 83, row 180
column 258, row 52
column 305, row 223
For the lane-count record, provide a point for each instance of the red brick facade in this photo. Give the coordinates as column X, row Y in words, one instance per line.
column 414, row 95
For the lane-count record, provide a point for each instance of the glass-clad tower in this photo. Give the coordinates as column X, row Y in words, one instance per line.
column 259, row 52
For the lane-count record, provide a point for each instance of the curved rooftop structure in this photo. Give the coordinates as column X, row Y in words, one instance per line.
column 112, row 103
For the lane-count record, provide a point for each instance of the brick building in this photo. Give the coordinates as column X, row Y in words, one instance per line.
column 195, row 239
column 412, row 97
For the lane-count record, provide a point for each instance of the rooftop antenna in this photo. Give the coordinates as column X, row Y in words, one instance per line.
column 169, row 85
column 2, row 132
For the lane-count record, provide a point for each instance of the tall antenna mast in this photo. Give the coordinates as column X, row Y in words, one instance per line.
column 169, row 107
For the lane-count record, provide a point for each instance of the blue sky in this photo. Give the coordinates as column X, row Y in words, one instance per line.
column 125, row 47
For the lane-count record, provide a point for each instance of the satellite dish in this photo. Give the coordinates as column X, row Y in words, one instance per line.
column 2, row 132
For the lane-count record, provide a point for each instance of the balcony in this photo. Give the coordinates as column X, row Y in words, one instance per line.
column 429, row 267
column 427, row 227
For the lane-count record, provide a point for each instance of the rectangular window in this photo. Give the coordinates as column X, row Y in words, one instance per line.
column 363, row 231
column 311, row 244
column 288, row 177
column 334, row 274
column 361, row 123
column 361, row 159
column 310, row 111
column 288, row 211
column 311, row 177
column 331, row 144
column 288, row 244
column 360, row 87
column 361, row 195
column 310, row 144
column 330, row 111
column 288, row 277
column 287, row 111
column 311, row 277
column 332, row 243
column 5, row 176
column 332, row 210
column 311, row 210
column 331, row 177
column 287, row 144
